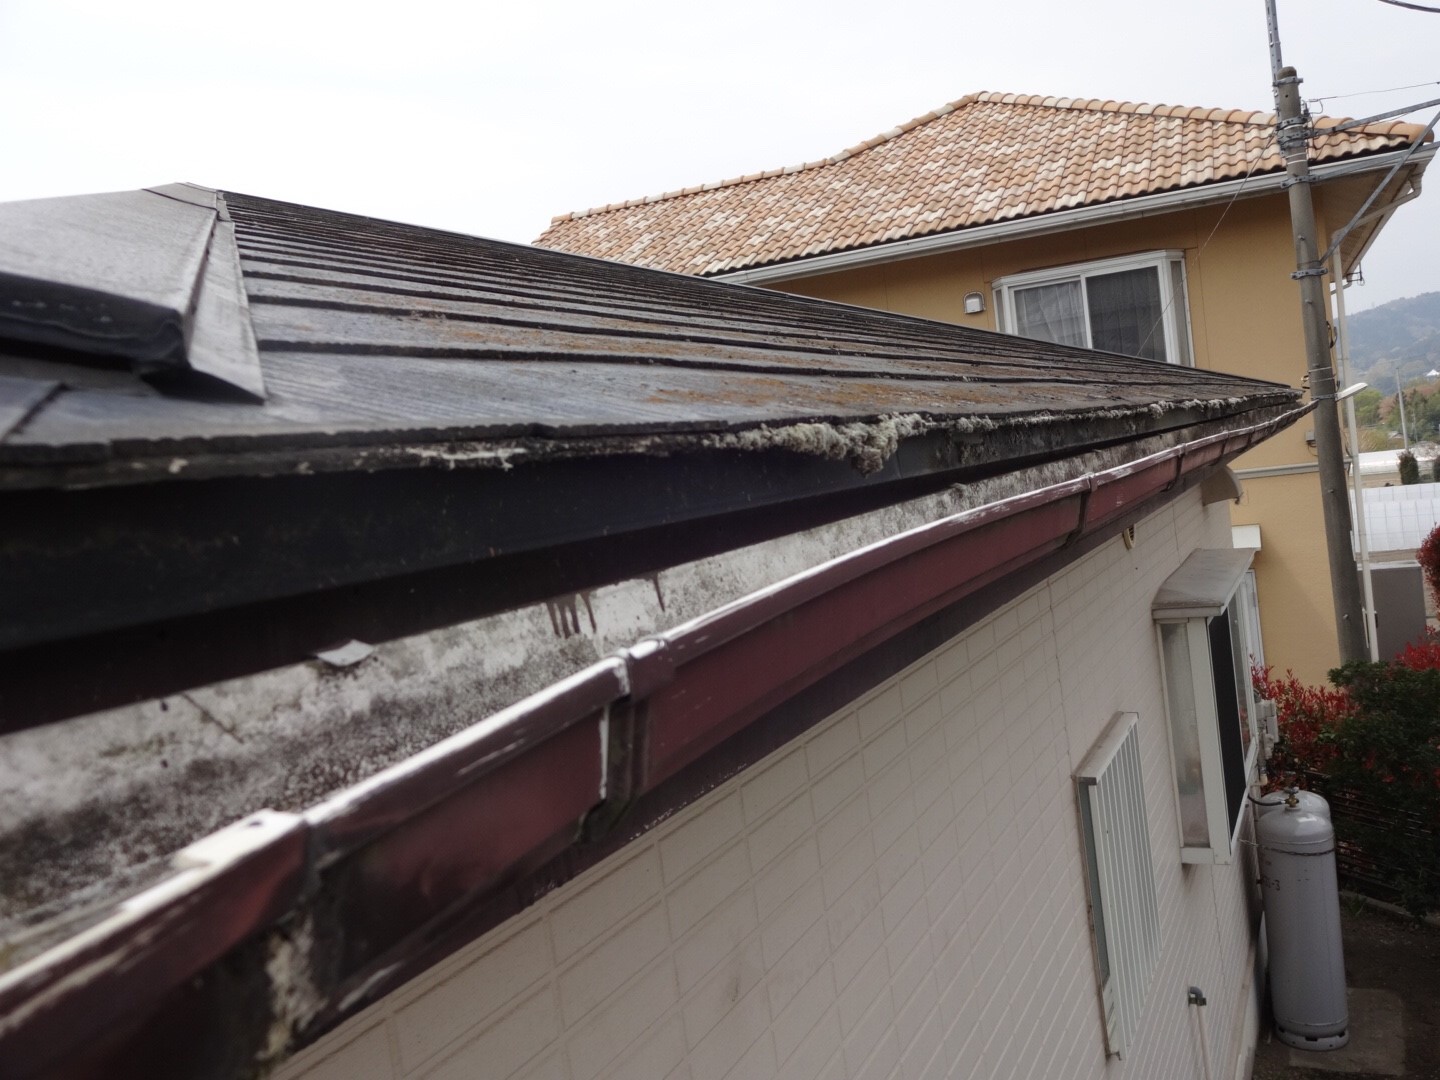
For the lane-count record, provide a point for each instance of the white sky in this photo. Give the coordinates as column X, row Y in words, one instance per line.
column 490, row 118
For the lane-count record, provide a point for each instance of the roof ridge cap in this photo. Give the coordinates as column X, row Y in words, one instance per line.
column 1389, row 129
column 1133, row 108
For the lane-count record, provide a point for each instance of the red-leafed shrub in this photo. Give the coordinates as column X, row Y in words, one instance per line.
column 1421, row 655
column 1308, row 717
column 1428, row 556
column 1372, row 741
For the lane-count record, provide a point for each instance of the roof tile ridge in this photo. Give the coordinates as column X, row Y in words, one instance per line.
column 1146, row 108
column 1385, row 129
column 785, row 170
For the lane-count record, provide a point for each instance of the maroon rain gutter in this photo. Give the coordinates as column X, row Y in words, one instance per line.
column 398, row 855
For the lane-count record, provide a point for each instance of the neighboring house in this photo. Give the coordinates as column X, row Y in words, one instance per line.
column 431, row 657
column 1150, row 230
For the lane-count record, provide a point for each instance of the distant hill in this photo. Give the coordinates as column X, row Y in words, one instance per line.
column 1401, row 337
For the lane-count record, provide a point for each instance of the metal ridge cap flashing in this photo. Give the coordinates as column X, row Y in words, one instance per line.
column 149, row 278
column 115, row 273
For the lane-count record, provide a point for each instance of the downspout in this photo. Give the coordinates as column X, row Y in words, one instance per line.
column 1196, row 997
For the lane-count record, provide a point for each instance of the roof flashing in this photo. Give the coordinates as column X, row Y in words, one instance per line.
column 145, row 277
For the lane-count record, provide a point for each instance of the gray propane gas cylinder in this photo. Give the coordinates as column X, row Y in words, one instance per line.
column 1302, row 926
column 1275, row 800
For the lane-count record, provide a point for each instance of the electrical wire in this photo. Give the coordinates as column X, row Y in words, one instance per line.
column 1259, row 156
column 1320, row 101
column 1413, row 7
column 1264, row 149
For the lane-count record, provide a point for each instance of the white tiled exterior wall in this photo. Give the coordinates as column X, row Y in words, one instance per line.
column 899, row 894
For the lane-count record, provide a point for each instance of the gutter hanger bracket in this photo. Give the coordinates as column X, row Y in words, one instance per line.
column 1083, row 518
column 1179, row 468
column 622, row 755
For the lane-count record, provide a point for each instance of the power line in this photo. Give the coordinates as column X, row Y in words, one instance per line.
column 1413, row 7
column 1367, row 93
column 1158, row 324
column 1259, row 157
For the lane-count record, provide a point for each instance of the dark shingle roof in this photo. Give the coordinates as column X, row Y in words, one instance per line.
column 370, row 333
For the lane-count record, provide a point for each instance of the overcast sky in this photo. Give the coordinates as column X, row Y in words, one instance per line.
column 490, row 118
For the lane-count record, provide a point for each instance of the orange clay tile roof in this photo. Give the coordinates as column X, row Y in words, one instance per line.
column 983, row 159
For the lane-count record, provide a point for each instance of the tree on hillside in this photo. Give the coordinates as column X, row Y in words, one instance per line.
column 1367, row 407
column 1399, row 338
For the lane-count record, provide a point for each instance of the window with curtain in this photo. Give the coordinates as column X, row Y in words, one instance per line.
column 1135, row 306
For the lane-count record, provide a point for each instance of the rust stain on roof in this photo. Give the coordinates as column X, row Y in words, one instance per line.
column 982, row 159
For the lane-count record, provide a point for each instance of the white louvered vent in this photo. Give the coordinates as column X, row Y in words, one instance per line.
column 1120, row 879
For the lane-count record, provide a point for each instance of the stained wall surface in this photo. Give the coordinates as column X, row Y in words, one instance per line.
column 897, row 894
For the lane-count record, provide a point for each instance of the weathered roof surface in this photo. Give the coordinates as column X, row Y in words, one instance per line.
column 478, row 460
column 370, row 333
column 435, row 405
column 983, row 159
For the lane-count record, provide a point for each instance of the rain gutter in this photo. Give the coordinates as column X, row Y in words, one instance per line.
column 1061, row 220
column 332, row 908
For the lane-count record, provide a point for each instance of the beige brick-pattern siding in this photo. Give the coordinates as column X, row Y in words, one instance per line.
column 897, row 895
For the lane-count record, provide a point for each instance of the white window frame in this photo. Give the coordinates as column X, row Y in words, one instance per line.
column 1208, row 585
column 1119, row 878
column 1169, row 266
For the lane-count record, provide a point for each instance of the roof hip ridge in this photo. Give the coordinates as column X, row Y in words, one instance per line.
column 1240, row 117
column 1134, row 108
column 785, row 170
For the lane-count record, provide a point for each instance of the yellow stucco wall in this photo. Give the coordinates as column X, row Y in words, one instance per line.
column 1245, row 319
column 1292, row 574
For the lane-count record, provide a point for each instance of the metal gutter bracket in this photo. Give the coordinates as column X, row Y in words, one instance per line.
column 649, row 665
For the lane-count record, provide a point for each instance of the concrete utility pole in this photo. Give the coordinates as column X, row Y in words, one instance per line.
column 1400, row 399
column 1294, row 137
